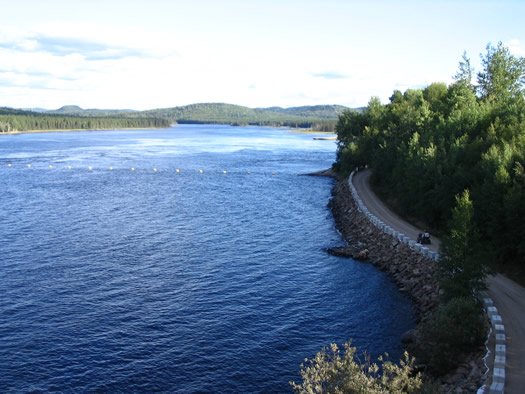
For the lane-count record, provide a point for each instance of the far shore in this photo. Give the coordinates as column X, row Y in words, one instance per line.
column 330, row 134
column 309, row 131
column 67, row 130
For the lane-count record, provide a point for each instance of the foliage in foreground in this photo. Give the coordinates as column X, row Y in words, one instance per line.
column 457, row 328
column 331, row 372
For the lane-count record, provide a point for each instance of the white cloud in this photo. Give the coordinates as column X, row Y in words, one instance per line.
column 97, row 64
column 177, row 53
column 516, row 47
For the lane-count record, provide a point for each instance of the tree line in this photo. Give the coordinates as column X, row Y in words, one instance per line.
column 428, row 146
column 318, row 118
column 17, row 120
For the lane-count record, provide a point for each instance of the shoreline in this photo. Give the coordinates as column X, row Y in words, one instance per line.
column 413, row 274
column 285, row 129
column 73, row 130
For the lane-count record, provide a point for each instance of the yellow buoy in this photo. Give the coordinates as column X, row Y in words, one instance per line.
column 249, row 172
column 69, row 167
column 9, row 165
column 177, row 170
column 111, row 168
column 200, row 171
column 50, row 166
column 155, row 169
column 132, row 168
column 29, row 166
column 224, row 172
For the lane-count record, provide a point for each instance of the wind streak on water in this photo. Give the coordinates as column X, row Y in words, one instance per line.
column 183, row 282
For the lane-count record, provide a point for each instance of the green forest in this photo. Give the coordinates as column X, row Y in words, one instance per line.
column 321, row 118
column 428, row 146
column 317, row 117
column 17, row 120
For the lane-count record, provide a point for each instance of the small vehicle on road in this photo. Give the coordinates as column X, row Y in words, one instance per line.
column 424, row 238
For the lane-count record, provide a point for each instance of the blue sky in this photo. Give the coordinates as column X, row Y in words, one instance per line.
column 157, row 53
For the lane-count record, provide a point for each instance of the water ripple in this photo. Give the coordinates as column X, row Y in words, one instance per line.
column 119, row 280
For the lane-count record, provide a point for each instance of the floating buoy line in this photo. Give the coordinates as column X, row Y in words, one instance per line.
column 133, row 169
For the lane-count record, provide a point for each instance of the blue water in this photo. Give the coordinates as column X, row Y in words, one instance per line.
column 144, row 280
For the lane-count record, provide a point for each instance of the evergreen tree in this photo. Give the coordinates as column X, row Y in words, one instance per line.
column 461, row 271
column 503, row 75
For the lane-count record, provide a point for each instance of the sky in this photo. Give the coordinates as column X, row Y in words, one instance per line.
column 146, row 54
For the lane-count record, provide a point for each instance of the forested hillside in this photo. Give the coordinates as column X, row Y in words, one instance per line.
column 75, row 110
column 427, row 146
column 317, row 117
column 312, row 111
column 18, row 120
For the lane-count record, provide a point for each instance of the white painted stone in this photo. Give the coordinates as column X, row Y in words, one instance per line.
column 501, row 350
column 488, row 301
column 499, row 373
column 500, row 359
column 500, row 339
column 496, row 319
column 491, row 311
column 497, row 388
column 499, row 328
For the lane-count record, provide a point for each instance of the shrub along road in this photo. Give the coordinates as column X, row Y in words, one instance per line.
column 508, row 296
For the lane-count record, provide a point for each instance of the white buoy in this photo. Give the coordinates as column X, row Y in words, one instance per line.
column 177, row 170
column 9, row 165
column 90, row 168
column 132, row 168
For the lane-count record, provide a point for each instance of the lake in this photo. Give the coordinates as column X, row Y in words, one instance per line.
column 191, row 259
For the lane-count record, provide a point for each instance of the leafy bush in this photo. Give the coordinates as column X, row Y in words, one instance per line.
column 329, row 372
column 457, row 328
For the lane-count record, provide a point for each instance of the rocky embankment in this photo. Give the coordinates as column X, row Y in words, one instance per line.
column 413, row 273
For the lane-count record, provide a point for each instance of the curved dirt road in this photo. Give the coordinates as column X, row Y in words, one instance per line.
column 508, row 296
column 382, row 212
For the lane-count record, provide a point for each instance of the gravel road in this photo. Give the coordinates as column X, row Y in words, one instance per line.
column 508, row 296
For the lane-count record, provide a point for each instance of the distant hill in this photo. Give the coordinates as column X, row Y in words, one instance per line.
column 69, row 109
column 313, row 111
column 76, row 110
column 319, row 117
